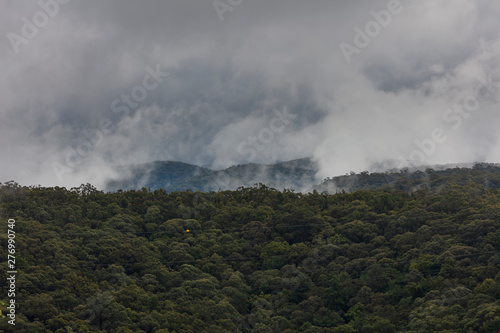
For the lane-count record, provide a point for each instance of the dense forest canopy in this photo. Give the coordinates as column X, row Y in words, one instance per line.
column 255, row 260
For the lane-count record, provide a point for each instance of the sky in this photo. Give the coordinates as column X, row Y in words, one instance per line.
column 356, row 85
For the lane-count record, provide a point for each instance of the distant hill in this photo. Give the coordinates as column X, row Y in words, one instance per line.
column 155, row 175
column 484, row 174
column 297, row 174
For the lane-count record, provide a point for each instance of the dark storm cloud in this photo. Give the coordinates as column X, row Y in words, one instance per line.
column 227, row 79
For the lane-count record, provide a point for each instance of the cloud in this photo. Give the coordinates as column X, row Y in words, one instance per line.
column 226, row 78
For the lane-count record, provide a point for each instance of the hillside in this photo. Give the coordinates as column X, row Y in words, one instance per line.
column 154, row 175
column 487, row 175
column 299, row 175
column 175, row 176
column 254, row 260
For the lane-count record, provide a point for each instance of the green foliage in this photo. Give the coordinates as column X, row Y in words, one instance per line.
column 255, row 260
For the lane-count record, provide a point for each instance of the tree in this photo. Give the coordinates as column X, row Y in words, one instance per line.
column 103, row 311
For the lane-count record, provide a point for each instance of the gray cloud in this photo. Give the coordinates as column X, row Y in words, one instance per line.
column 226, row 78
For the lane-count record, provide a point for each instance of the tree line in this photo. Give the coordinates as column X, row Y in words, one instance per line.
column 254, row 260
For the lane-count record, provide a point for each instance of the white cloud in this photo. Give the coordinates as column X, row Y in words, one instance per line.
column 227, row 77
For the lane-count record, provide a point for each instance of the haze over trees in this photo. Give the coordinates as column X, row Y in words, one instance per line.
column 171, row 176
column 299, row 174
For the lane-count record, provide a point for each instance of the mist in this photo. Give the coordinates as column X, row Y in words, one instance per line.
column 87, row 86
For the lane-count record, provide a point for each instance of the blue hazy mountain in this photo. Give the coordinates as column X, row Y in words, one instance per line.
column 154, row 175
column 299, row 174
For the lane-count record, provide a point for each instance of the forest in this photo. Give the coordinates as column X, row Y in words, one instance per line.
column 254, row 259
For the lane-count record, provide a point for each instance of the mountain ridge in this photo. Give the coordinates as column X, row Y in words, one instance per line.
column 298, row 174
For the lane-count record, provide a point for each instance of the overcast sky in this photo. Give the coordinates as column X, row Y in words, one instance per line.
column 86, row 85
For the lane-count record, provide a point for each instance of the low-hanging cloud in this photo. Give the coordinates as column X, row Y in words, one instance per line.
column 227, row 78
